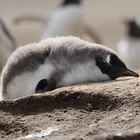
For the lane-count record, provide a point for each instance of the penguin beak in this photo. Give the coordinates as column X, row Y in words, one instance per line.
column 129, row 72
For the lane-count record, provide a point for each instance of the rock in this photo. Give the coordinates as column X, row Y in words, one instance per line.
column 100, row 111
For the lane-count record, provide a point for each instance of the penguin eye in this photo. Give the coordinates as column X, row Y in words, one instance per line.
column 41, row 86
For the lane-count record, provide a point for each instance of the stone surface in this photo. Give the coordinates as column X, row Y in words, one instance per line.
column 100, row 111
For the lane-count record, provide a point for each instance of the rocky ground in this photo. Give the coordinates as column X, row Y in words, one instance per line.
column 99, row 111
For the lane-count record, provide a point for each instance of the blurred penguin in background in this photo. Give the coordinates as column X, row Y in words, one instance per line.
column 129, row 46
column 7, row 44
column 67, row 19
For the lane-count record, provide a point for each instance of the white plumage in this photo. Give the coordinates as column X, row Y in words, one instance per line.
column 67, row 20
column 129, row 50
column 129, row 46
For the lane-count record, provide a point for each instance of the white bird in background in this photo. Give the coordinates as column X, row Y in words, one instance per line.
column 7, row 44
column 67, row 19
column 129, row 46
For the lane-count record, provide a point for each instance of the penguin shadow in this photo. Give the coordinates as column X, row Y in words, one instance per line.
column 61, row 100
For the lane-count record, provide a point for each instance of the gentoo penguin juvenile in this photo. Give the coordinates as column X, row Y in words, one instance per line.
column 7, row 44
column 67, row 19
column 129, row 46
column 57, row 62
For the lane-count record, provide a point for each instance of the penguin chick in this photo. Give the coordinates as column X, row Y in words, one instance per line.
column 58, row 62
column 7, row 44
column 129, row 46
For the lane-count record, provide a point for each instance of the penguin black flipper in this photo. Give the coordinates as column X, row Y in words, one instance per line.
column 45, row 85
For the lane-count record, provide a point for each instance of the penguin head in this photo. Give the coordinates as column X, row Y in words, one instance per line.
column 111, row 65
column 68, row 2
column 134, row 27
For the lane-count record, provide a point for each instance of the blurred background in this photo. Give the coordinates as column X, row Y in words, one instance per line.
column 106, row 17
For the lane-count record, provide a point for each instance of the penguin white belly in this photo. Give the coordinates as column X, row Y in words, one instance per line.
column 129, row 50
column 122, row 49
column 65, row 21
column 80, row 73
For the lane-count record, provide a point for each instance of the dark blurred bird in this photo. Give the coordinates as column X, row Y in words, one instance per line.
column 129, row 46
column 7, row 44
column 67, row 19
